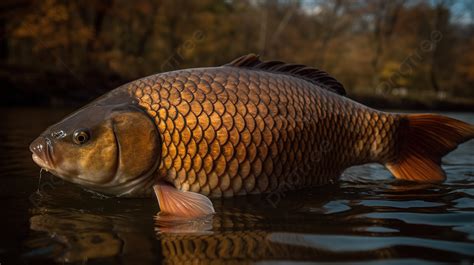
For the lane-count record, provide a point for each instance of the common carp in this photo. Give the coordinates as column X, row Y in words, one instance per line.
column 242, row 128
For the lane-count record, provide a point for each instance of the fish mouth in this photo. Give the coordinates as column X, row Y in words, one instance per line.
column 41, row 149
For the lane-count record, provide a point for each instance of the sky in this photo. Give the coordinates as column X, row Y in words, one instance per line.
column 462, row 10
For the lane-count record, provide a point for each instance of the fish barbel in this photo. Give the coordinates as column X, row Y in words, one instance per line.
column 243, row 128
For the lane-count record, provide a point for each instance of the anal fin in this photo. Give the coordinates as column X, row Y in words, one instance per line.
column 183, row 204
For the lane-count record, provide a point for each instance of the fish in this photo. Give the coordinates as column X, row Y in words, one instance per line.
column 246, row 127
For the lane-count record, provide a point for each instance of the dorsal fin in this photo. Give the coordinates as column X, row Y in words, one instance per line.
column 315, row 76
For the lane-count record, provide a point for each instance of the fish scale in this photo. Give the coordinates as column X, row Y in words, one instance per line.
column 230, row 131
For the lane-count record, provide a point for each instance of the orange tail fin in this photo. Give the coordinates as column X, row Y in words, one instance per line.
column 424, row 139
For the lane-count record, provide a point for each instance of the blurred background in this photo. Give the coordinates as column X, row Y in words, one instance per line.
column 394, row 54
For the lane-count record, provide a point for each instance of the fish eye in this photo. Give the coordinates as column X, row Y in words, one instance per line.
column 81, row 136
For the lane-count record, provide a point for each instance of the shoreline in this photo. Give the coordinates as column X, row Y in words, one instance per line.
column 25, row 89
column 405, row 103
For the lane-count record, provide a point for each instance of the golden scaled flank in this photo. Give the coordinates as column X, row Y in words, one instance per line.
column 229, row 131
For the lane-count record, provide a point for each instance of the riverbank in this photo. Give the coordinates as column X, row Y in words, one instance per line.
column 53, row 89
column 421, row 102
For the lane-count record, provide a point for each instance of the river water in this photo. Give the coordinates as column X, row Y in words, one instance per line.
column 367, row 218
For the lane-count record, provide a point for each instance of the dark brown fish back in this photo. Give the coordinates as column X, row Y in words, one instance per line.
column 312, row 75
column 231, row 130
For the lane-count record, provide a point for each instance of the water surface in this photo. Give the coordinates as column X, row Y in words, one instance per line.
column 367, row 218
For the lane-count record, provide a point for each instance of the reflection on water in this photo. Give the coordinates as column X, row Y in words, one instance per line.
column 368, row 218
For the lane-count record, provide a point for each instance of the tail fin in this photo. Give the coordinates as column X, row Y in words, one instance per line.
column 424, row 139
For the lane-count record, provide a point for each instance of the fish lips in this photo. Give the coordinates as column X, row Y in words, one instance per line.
column 41, row 149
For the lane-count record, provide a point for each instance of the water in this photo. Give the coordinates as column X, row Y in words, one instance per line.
column 368, row 218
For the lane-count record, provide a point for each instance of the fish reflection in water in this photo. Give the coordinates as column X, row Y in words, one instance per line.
column 236, row 234
column 323, row 224
column 75, row 236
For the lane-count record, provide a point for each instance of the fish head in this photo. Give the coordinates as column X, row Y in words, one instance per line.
column 111, row 149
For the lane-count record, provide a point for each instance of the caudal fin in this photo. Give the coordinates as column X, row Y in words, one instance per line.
column 423, row 140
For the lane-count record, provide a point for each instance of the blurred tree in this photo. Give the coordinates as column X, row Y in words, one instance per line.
column 418, row 44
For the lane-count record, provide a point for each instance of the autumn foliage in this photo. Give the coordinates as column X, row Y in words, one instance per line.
column 398, row 48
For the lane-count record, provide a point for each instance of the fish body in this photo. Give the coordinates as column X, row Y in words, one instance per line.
column 232, row 131
column 247, row 127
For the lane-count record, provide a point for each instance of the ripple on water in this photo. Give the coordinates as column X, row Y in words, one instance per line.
column 374, row 262
column 468, row 191
column 400, row 204
column 467, row 229
column 464, row 203
column 331, row 207
column 440, row 219
column 379, row 229
column 342, row 243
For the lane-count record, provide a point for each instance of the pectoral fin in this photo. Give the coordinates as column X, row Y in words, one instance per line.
column 182, row 203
